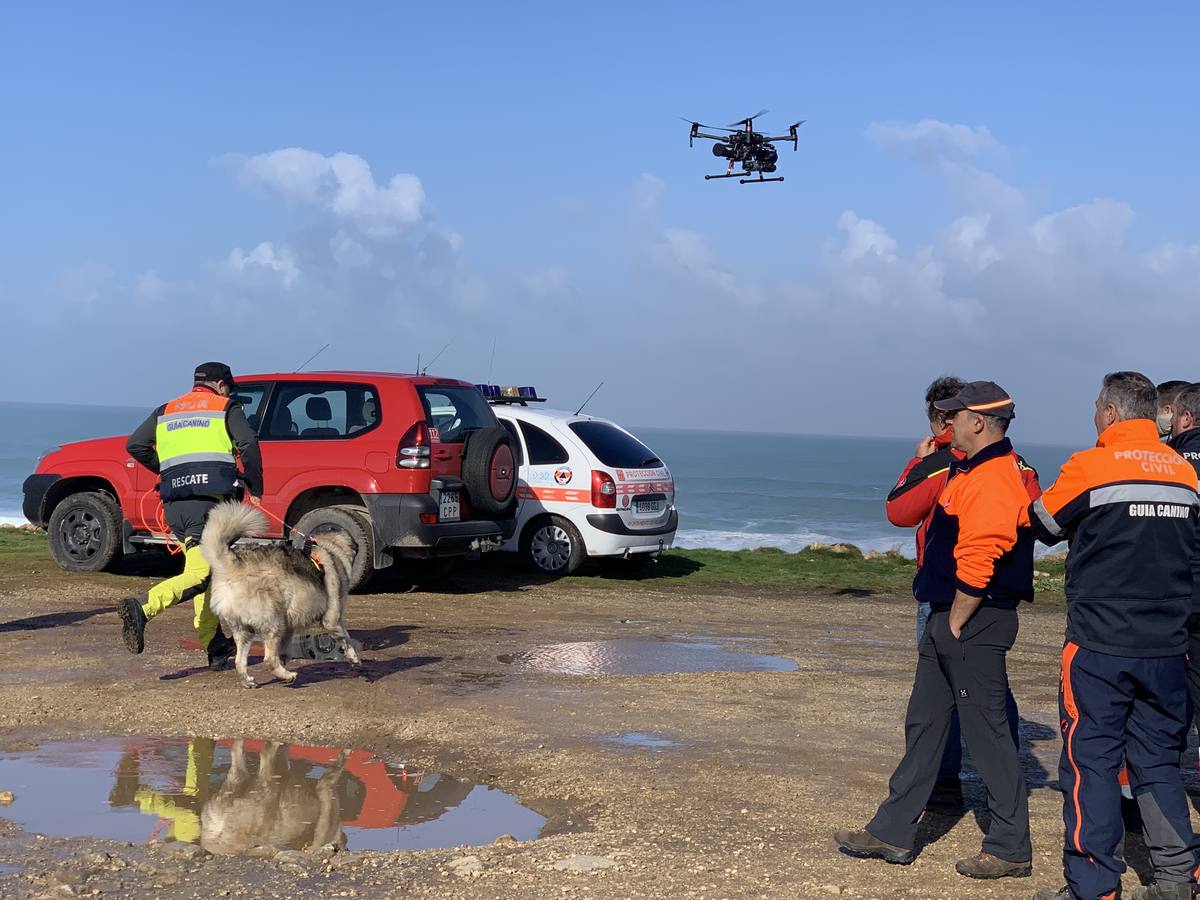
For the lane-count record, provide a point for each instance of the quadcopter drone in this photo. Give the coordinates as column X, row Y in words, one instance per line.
column 754, row 150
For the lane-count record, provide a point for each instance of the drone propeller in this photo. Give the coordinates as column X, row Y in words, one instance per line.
column 750, row 119
column 797, row 124
column 713, row 127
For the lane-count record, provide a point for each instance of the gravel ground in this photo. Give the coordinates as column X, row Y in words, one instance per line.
column 766, row 765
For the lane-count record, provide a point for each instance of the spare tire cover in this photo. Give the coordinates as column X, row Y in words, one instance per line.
column 489, row 471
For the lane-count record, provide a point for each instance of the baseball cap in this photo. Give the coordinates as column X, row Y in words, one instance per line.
column 214, row 371
column 981, row 397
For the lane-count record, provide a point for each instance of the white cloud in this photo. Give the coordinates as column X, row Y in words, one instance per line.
column 931, row 139
column 1099, row 226
column 265, row 258
column 865, row 237
column 341, row 184
column 1169, row 256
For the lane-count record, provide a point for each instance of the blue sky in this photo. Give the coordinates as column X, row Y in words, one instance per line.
column 554, row 203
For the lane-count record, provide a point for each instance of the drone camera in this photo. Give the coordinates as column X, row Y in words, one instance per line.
column 721, row 150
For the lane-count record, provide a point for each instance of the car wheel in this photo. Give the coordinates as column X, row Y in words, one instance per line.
column 85, row 532
column 352, row 520
column 553, row 546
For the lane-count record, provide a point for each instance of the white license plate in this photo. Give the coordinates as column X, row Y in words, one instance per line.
column 646, row 507
column 448, row 509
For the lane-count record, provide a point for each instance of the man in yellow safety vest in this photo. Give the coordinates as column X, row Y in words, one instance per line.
column 193, row 444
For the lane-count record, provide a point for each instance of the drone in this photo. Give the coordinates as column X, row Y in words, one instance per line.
column 754, row 150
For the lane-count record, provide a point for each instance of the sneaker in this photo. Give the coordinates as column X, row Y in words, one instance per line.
column 1063, row 893
column 221, row 650
column 1162, row 890
column 865, row 845
column 133, row 624
column 984, row 865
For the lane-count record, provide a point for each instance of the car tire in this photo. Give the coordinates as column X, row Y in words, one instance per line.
column 353, row 521
column 85, row 532
column 489, row 471
column 553, row 546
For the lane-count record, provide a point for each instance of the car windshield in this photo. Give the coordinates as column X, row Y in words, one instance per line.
column 455, row 411
column 615, row 447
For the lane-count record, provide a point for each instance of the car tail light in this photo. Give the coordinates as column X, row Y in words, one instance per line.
column 429, row 518
column 604, row 490
column 413, row 452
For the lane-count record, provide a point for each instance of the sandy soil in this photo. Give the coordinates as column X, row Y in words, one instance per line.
column 768, row 765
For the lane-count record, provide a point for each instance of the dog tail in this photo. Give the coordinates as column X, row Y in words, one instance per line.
column 228, row 522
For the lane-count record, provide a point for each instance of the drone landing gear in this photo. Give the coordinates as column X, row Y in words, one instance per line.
column 726, row 175
column 759, row 179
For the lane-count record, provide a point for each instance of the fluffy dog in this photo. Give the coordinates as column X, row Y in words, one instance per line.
column 275, row 591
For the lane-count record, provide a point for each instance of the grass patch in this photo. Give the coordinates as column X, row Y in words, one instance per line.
column 840, row 569
column 21, row 544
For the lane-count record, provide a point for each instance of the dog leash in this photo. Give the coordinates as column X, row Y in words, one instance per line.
column 309, row 544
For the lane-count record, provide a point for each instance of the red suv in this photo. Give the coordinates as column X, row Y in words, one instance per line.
column 411, row 467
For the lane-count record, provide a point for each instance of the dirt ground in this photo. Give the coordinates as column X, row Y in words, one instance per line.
column 767, row 765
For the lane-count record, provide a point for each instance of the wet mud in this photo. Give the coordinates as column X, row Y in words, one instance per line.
column 507, row 737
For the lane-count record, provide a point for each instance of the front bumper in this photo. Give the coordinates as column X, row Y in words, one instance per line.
column 400, row 533
column 35, row 489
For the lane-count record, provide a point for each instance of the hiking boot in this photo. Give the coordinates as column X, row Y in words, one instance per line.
column 1163, row 890
column 221, row 650
column 133, row 624
column 984, row 865
column 865, row 845
column 947, row 796
column 1063, row 893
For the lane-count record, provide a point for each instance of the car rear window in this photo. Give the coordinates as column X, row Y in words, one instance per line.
column 455, row 411
column 614, row 447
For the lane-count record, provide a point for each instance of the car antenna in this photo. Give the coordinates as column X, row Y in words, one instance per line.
column 310, row 359
column 589, row 397
column 421, row 371
column 491, row 361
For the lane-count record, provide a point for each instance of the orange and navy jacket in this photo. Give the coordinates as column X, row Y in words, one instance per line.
column 915, row 495
column 1187, row 445
column 1128, row 506
column 979, row 541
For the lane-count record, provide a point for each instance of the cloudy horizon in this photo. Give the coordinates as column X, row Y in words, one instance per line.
column 698, row 306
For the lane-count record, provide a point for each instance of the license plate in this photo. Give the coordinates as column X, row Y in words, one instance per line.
column 448, row 510
column 646, row 507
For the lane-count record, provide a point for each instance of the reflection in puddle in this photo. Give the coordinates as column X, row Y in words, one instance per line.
column 641, row 740
column 638, row 656
column 8, row 870
column 231, row 795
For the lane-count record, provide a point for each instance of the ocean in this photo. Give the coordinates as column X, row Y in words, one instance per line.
column 734, row 489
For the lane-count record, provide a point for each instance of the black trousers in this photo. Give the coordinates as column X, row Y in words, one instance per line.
column 1193, row 668
column 186, row 517
column 967, row 675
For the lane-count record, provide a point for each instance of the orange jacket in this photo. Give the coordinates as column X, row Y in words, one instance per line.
column 979, row 541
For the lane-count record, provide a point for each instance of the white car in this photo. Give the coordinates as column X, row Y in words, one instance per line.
column 585, row 488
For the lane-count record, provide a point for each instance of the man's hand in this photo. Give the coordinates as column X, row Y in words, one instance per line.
column 960, row 613
column 927, row 446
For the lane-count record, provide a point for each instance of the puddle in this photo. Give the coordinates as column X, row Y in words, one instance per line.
column 645, row 656
column 232, row 795
column 640, row 740
column 8, row 870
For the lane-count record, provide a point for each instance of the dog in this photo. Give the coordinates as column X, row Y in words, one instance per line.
column 273, row 591
column 279, row 805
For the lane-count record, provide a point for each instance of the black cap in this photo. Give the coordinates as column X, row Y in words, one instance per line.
column 215, row 372
column 982, row 397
